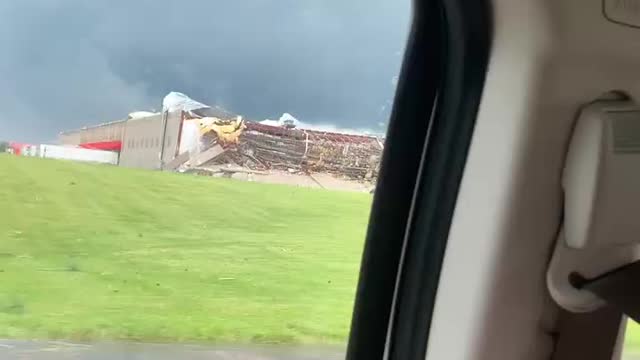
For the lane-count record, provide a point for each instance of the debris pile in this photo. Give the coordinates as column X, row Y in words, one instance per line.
column 263, row 147
column 213, row 139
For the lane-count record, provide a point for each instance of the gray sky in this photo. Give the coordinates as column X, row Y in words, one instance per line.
column 70, row 63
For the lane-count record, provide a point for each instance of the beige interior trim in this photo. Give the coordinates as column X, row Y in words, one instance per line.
column 549, row 58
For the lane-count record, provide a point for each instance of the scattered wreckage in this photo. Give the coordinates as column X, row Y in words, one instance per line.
column 220, row 139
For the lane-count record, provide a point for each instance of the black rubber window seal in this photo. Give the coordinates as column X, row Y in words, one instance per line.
column 429, row 135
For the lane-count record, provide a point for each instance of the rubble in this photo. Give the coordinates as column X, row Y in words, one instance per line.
column 177, row 162
column 205, row 156
column 265, row 147
column 271, row 145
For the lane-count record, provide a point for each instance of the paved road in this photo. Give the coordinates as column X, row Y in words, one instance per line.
column 60, row 350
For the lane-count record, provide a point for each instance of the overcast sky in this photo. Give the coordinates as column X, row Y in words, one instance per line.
column 70, row 63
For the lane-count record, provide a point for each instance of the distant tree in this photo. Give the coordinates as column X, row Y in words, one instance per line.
column 3, row 146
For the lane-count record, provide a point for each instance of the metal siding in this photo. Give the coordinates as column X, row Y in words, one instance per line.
column 142, row 141
column 113, row 131
column 174, row 123
column 77, row 154
column 135, row 151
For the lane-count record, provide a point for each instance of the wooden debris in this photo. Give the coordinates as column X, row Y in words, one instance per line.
column 177, row 162
column 205, row 156
column 263, row 147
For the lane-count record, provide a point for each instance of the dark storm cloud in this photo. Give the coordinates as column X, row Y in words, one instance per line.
column 70, row 63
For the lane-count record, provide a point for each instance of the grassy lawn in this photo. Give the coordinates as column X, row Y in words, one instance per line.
column 632, row 338
column 100, row 252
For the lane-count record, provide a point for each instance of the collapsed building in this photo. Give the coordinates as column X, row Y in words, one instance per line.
column 188, row 136
column 266, row 147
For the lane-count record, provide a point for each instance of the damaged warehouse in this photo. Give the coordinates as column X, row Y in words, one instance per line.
column 265, row 147
column 192, row 137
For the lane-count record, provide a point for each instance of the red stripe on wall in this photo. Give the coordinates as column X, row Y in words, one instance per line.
column 103, row 145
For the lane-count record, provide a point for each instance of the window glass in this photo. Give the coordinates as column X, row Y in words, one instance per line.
column 271, row 116
column 632, row 341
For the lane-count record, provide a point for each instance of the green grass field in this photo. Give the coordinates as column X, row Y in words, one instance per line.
column 92, row 252
column 632, row 338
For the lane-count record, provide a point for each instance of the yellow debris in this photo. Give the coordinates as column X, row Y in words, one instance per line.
column 228, row 131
